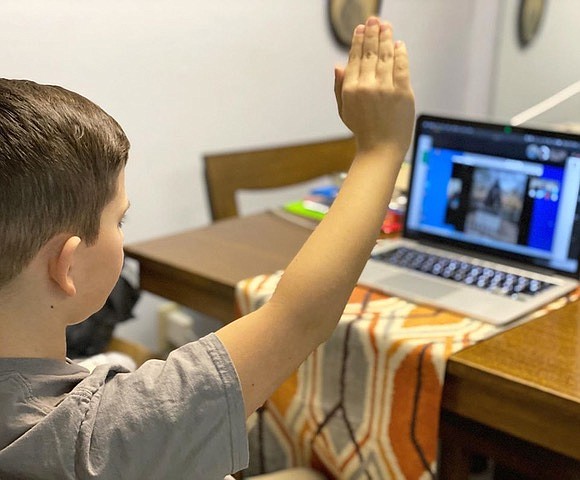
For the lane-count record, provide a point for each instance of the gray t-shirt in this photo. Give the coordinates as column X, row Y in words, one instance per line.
column 182, row 418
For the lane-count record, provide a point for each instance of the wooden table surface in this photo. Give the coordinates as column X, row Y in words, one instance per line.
column 200, row 268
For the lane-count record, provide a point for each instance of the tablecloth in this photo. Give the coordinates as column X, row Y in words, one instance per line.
column 365, row 404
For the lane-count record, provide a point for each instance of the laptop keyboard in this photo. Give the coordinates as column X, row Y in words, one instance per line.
column 493, row 280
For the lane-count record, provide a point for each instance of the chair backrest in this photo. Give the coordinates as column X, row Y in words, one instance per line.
column 271, row 168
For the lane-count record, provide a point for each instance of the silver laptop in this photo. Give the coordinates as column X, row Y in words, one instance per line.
column 492, row 229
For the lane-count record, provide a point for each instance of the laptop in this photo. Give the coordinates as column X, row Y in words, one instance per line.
column 492, row 228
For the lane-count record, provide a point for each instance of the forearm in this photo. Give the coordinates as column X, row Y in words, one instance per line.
column 318, row 282
column 315, row 287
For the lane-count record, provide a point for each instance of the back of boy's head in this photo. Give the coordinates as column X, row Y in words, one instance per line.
column 60, row 159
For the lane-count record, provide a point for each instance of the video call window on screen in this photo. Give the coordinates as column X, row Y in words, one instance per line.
column 486, row 201
column 500, row 190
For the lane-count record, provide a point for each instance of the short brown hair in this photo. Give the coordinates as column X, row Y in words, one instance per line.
column 60, row 158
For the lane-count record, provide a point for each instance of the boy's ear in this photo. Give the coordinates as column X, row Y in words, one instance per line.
column 60, row 265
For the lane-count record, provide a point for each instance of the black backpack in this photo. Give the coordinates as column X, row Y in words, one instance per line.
column 92, row 336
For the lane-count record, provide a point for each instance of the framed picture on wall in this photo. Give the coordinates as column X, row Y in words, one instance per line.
column 530, row 16
column 345, row 15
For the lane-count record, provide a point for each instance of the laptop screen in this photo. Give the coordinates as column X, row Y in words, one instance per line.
column 511, row 192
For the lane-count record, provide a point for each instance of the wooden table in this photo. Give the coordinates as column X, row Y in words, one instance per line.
column 515, row 397
column 200, row 268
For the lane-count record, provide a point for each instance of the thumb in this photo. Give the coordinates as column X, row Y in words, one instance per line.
column 338, row 79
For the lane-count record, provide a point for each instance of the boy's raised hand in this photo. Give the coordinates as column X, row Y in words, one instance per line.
column 374, row 94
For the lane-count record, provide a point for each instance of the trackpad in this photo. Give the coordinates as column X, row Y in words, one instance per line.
column 403, row 284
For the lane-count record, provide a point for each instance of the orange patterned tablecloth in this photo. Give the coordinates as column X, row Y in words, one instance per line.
column 365, row 404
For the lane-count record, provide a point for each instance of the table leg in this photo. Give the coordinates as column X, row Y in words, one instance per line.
column 461, row 438
column 454, row 459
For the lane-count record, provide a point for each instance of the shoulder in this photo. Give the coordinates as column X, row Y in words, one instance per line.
column 190, row 401
column 34, row 412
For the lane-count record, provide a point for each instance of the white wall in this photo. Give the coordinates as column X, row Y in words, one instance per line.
column 184, row 77
column 551, row 62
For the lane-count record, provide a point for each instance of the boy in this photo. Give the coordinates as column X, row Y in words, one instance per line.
column 62, row 200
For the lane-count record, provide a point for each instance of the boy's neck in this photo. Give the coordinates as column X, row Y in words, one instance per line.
column 30, row 340
column 28, row 329
column 32, row 323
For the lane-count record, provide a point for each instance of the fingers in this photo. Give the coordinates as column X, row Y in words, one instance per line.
column 386, row 56
column 374, row 57
column 401, row 77
column 352, row 71
column 370, row 50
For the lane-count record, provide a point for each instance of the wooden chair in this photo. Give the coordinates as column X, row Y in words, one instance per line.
column 227, row 173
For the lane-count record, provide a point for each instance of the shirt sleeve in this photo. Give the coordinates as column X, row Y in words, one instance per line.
column 179, row 418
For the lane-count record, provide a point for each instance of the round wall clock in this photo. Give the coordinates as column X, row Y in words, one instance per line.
column 529, row 17
column 345, row 15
